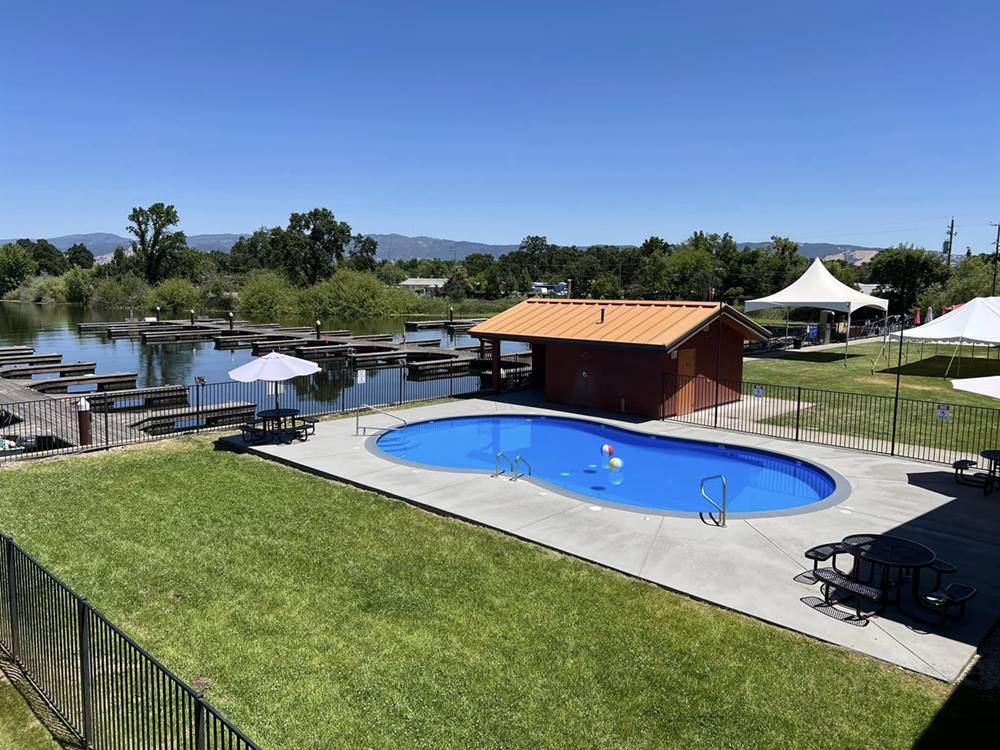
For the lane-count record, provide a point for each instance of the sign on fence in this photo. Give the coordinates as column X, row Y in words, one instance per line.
column 362, row 377
column 944, row 412
column 758, row 391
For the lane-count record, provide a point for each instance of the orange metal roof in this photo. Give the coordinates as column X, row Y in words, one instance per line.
column 625, row 322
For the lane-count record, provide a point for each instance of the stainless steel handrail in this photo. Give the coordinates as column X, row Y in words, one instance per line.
column 359, row 430
column 518, row 459
column 513, row 467
column 720, row 508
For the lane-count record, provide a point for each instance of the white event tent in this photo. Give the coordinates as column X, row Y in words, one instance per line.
column 818, row 288
column 975, row 322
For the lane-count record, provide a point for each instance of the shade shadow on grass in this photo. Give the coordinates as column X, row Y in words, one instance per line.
column 937, row 366
column 822, row 357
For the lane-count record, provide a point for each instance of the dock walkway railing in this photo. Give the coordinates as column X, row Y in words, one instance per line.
column 106, row 688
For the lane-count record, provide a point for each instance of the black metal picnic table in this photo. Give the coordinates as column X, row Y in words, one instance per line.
column 279, row 422
column 992, row 470
column 887, row 552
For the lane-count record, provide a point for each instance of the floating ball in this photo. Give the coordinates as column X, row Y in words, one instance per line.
column 616, row 464
column 608, row 449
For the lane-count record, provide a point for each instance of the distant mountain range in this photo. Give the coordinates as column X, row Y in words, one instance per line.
column 402, row 247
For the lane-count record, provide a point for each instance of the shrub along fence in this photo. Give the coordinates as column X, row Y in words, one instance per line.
column 922, row 430
column 50, row 426
column 108, row 690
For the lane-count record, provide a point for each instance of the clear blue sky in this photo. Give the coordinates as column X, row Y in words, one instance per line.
column 867, row 123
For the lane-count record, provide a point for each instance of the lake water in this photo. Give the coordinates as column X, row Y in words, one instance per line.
column 52, row 328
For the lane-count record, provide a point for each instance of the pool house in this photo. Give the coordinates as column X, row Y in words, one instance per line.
column 646, row 358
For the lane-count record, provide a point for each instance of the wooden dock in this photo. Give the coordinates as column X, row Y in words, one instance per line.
column 16, row 351
column 106, row 382
column 31, row 359
column 453, row 324
column 60, row 368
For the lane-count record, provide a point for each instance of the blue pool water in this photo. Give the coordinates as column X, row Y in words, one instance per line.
column 658, row 473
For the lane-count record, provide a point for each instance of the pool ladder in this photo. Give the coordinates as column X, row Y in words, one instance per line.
column 515, row 474
column 721, row 508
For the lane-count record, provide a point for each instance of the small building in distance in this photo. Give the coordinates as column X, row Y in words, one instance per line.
column 425, row 287
column 648, row 358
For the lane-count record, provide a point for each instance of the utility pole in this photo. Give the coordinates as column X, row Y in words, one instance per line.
column 996, row 249
column 951, row 242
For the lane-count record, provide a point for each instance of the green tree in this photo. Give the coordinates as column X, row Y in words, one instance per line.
column 361, row 256
column 79, row 255
column 971, row 278
column 16, row 264
column 264, row 296
column 606, row 287
column 47, row 257
column 902, row 272
column 176, row 295
column 81, row 283
column 315, row 244
column 457, row 286
column 155, row 246
column 126, row 291
column 390, row 273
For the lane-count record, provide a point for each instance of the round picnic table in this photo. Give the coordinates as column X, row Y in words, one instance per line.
column 992, row 471
column 889, row 552
column 276, row 419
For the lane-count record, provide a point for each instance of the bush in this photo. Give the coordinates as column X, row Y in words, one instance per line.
column 347, row 294
column 43, row 289
column 264, row 297
column 80, row 285
column 174, row 295
column 127, row 290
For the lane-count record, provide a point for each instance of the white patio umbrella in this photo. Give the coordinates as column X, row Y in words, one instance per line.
column 274, row 368
column 988, row 386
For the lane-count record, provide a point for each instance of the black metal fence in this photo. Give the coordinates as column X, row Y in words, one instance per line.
column 922, row 430
column 105, row 687
column 50, row 426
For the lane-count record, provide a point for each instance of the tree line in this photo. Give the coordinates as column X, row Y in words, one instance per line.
column 315, row 247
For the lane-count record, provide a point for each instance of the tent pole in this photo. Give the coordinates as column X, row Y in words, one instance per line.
column 847, row 335
column 952, row 358
column 787, row 310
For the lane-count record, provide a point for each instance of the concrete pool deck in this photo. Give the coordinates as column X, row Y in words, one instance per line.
column 750, row 566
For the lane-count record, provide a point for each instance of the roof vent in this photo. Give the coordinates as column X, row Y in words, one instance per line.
column 602, row 316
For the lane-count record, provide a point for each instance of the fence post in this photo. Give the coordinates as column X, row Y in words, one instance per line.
column 798, row 411
column 402, row 383
column 15, row 633
column 86, row 678
column 451, row 379
column 199, row 722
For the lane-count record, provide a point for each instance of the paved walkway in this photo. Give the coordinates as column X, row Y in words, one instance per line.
column 750, row 566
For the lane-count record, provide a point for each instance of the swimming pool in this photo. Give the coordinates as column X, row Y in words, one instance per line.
column 658, row 474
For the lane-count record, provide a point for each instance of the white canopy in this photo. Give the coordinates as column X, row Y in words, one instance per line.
column 988, row 386
column 273, row 367
column 977, row 322
column 817, row 287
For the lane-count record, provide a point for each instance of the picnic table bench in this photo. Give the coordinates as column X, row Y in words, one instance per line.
column 194, row 417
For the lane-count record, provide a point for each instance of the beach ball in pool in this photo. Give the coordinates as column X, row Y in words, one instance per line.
column 616, row 464
column 608, row 449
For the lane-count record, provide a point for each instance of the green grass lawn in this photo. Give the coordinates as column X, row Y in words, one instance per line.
column 317, row 616
column 19, row 728
column 923, row 376
column 922, row 380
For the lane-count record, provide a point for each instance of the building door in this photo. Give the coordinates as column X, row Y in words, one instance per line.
column 686, row 383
